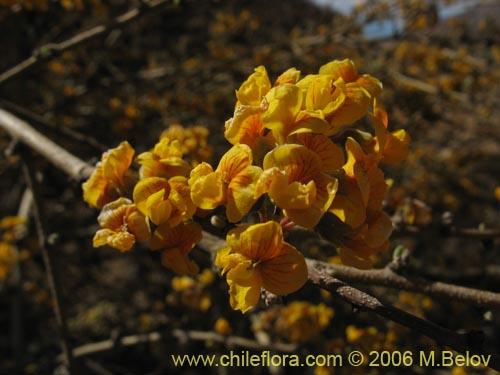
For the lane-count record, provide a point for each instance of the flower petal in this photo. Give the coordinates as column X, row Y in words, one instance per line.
column 175, row 260
column 244, row 287
column 234, row 162
column 207, row 187
column 254, row 88
column 283, row 108
column 285, row 273
column 241, row 193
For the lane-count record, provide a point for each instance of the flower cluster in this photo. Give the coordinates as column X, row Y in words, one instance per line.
column 298, row 144
column 152, row 204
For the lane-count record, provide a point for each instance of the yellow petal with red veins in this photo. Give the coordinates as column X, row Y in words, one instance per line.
column 235, row 160
column 372, row 85
column 310, row 217
column 295, row 195
column 340, row 68
column 120, row 240
column 282, row 111
column 150, row 191
column 285, row 273
column 244, row 287
column 290, row 76
column 101, row 237
column 245, row 126
column 207, row 188
column 349, row 206
column 358, row 101
column 331, row 155
column 258, row 242
column 160, row 210
column 300, row 163
column 94, row 189
column 226, row 259
column 254, row 88
column 241, row 193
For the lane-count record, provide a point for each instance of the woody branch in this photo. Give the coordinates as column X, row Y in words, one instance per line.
column 319, row 273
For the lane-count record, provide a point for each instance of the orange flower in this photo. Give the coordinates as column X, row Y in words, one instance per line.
column 232, row 183
column 164, row 200
column 122, row 225
column 109, row 176
column 165, row 160
column 363, row 186
column 370, row 238
column 294, row 181
column 177, row 243
column 257, row 256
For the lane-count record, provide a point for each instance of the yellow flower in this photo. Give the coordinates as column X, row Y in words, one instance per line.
column 246, row 125
column 338, row 94
column 284, row 115
column 257, row 256
column 177, row 243
column 254, row 88
column 370, row 238
column 363, row 186
column 392, row 147
column 165, row 160
column 122, row 225
column 294, row 181
column 164, row 200
column 109, row 176
column 331, row 155
column 232, row 183
column 193, row 141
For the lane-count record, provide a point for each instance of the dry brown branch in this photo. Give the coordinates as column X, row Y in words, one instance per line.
column 452, row 231
column 388, row 278
column 63, row 130
column 461, row 342
column 182, row 336
column 49, row 50
column 62, row 159
column 424, row 86
column 318, row 272
column 47, row 254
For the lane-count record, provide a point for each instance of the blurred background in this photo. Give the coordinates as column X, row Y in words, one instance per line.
column 181, row 64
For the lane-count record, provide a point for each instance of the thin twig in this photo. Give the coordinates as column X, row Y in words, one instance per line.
column 181, row 335
column 49, row 50
column 416, row 84
column 58, row 156
column 461, row 342
column 388, row 278
column 41, row 228
column 472, row 233
column 319, row 275
column 65, row 131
